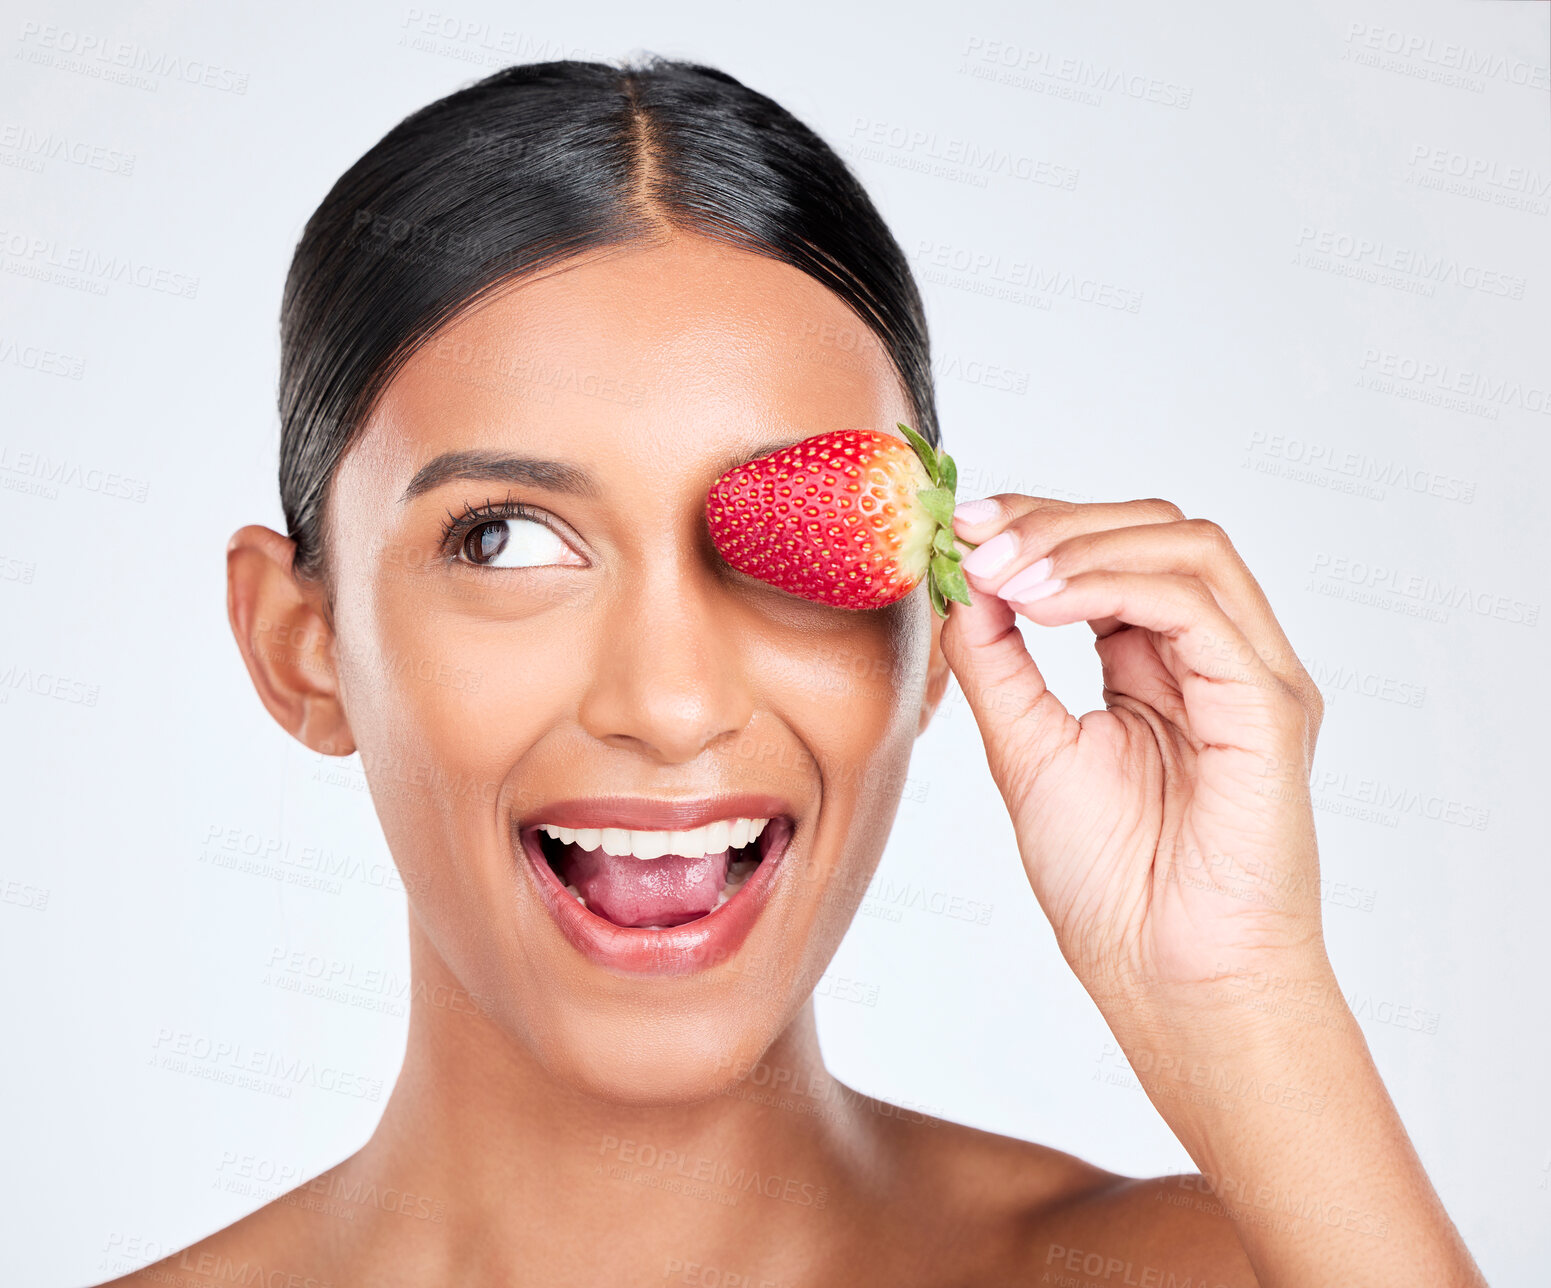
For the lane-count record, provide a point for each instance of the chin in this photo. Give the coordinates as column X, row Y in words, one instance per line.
column 647, row 951
column 657, row 1062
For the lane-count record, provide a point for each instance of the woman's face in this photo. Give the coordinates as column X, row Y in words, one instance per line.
column 535, row 641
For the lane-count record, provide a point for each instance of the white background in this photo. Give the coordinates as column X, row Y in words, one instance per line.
column 1369, row 423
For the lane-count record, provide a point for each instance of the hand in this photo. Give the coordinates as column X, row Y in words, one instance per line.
column 1170, row 840
column 1168, row 837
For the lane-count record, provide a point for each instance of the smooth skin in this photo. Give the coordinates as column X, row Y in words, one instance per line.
column 1168, row 837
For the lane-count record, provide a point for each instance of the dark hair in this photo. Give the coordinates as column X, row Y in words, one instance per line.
column 529, row 167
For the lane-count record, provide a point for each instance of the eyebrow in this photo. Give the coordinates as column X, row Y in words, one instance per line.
column 553, row 476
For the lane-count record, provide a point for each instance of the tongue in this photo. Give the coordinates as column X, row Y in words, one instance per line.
column 645, row 892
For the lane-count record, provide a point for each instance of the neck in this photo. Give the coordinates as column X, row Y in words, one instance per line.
column 528, row 1167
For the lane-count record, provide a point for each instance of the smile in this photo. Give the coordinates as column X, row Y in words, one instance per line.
column 654, row 879
column 664, row 886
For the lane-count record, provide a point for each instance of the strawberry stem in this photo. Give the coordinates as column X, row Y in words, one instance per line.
column 928, row 454
column 944, row 578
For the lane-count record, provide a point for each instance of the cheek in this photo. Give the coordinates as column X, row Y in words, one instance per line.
column 853, row 698
column 444, row 711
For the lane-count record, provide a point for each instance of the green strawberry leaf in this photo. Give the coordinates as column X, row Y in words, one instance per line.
column 948, row 473
column 932, row 590
column 924, row 450
column 937, row 502
column 944, row 545
column 948, row 577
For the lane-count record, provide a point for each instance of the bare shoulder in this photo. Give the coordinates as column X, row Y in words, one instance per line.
column 287, row 1241
column 1011, row 1212
column 921, row 1201
column 1164, row 1230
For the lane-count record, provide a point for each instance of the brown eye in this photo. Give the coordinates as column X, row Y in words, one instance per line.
column 486, row 541
column 517, row 543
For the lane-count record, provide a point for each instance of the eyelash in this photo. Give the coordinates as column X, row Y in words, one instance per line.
column 456, row 527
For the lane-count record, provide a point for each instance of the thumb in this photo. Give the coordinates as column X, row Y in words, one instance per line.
column 1021, row 721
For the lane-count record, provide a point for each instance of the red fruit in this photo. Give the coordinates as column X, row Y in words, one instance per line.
column 852, row 518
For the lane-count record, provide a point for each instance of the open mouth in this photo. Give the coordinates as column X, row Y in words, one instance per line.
column 653, row 879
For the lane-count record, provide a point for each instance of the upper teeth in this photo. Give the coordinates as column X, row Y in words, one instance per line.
column 729, row 833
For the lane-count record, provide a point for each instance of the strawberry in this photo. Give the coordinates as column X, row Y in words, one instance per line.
column 851, row 518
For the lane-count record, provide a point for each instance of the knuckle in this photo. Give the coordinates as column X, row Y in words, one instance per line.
column 1208, row 533
column 1035, row 517
column 1291, row 711
column 1196, row 590
column 1315, row 709
column 1181, row 598
column 1302, row 684
column 1214, row 553
column 1165, row 511
column 1017, row 503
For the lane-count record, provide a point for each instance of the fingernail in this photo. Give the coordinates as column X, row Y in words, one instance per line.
column 984, row 560
column 1021, row 588
column 971, row 513
column 1037, row 591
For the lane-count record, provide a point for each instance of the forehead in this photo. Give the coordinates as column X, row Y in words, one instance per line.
column 687, row 347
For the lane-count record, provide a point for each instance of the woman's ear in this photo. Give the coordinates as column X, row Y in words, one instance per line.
column 283, row 630
column 936, row 677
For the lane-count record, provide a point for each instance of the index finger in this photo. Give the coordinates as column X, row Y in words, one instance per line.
column 979, row 521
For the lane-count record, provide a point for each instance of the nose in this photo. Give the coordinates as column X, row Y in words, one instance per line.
column 670, row 679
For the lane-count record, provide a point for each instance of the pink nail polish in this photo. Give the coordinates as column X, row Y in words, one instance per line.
column 975, row 512
column 1017, row 588
column 984, row 560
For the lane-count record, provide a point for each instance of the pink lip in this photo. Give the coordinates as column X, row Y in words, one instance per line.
column 678, row 950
